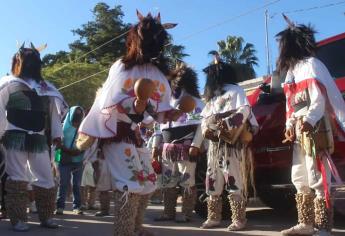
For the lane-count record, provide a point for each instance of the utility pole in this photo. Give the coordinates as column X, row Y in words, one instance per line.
column 268, row 60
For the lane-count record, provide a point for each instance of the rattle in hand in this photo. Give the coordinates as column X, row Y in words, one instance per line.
column 186, row 104
column 143, row 90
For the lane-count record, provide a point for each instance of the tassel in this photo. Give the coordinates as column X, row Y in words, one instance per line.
column 333, row 169
column 124, row 196
column 322, row 169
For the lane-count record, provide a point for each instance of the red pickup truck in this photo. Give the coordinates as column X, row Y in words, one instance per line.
column 273, row 158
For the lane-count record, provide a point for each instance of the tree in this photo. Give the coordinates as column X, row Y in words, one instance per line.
column 242, row 58
column 95, row 50
column 107, row 25
column 82, row 93
column 59, row 57
column 174, row 53
column 64, row 68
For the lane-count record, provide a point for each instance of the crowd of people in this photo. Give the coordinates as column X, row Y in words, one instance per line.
column 148, row 127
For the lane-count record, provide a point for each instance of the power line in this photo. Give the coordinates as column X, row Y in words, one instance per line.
column 310, row 8
column 88, row 77
column 96, row 48
column 229, row 20
column 183, row 38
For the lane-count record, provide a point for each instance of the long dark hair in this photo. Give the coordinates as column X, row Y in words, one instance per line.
column 184, row 77
column 26, row 63
column 297, row 42
column 217, row 75
column 145, row 42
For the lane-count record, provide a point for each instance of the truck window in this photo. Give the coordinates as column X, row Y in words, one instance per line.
column 333, row 56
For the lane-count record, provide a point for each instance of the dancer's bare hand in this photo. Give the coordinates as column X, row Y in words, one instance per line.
column 193, row 151
column 57, row 143
column 289, row 135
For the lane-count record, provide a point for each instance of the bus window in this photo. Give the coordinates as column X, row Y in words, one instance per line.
column 333, row 56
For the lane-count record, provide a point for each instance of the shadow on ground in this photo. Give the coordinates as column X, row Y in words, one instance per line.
column 262, row 221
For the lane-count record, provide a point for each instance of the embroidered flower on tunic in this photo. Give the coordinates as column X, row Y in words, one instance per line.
column 140, row 176
column 159, row 91
column 231, row 183
column 128, row 152
column 43, row 87
column 156, row 96
column 152, row 177
column 210, row 182
column 156, row 82
column 161, row 88
column 128, row 84
column 231, row 180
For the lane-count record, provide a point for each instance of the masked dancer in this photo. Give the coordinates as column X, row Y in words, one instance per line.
column 181, row 146
column 31, row 110
column 136, row 88
column 228, row 123
column 313, row 103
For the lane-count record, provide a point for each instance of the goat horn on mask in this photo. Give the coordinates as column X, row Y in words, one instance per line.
column 20, row 48
column 158, row 17
column 169, row 25
column 140, row 16
column 42, row 47
column 290, row 23
column 32, row 46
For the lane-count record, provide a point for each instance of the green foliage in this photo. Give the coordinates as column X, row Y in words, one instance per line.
column 98, row 36
column 59, row 57
column 174, row 53
column 63, row 68
column 107, row 24
column 242, row 58
column 83, row 93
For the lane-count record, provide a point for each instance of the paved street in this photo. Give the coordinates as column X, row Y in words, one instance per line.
column 262, row 222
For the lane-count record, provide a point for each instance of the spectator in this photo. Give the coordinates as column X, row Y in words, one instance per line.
column 88, row 183
column 70, row 161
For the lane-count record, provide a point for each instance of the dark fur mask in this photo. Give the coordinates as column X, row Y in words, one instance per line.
column 296, row 43
column 26, row 63
column 184, row 77
column 217, row 75
column 145, row 42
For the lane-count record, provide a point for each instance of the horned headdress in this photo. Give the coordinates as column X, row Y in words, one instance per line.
column 26, row 62
column 145, row 42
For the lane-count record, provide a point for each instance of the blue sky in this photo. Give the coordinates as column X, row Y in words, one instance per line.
column 51, row 22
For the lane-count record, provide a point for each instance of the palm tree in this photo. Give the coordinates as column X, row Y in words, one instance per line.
column 243, row 59
column 174, row 53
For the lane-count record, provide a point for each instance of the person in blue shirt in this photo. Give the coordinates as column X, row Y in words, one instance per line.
column 71, row 161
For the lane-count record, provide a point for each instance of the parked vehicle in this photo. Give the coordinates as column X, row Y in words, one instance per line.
column 272, row 158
